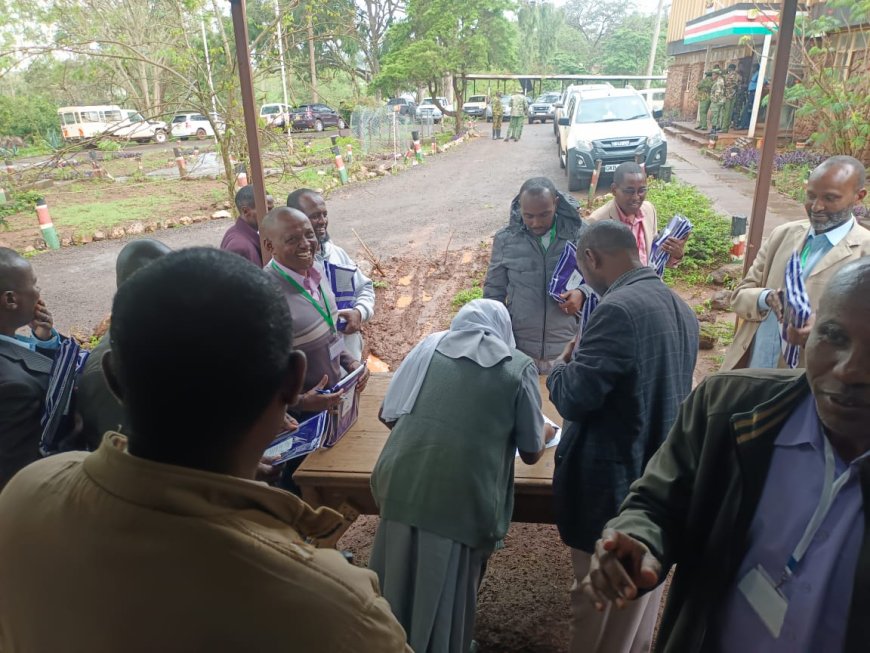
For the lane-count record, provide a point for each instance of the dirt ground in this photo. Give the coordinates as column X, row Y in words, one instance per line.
column 430, row 229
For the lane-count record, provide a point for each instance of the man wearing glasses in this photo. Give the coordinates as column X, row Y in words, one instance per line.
column 630, row 207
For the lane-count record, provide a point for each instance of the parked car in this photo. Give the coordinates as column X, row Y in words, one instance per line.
column 560, row 105
column 275, row 114
column 85, row 122
column 316, row 117
column 654, row 98
column 475, row 106
column 610, row 125
column 505, row 108
column 543, row 108
column 185, row 125
column 427, row 108
column 406, row 107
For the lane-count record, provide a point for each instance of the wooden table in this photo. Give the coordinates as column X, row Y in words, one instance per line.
column 339, row 477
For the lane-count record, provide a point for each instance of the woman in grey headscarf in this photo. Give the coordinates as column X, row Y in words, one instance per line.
column 459, row 407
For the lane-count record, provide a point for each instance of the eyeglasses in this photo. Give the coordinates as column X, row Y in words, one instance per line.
column 631, row 192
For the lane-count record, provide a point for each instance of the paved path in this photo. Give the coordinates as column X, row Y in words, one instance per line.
column 730, row 190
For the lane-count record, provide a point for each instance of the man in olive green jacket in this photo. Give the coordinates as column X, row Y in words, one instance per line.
column 771, row 552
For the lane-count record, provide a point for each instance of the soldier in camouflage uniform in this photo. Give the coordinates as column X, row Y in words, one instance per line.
column 731, row 83
column 739, row 100
column 519, row 109
column 702, row 94
column 497, row 113
column 717, row 99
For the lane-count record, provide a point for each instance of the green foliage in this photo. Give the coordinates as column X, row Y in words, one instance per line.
column 108, row 145
column 835, row 90
column 20, row 202
column 710, row 243
column 27, row 116
column 380, row 284
column 461, row 298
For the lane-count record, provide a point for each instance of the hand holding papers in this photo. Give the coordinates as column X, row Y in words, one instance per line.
column 555, row 439
column 796, row 308
column 344, row 415
column 567, row 277
column 679, row 227
column 299, row 442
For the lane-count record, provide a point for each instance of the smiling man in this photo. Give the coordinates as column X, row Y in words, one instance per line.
column 524, row 255
column 827, row 241
column 758, row 496
column 362, row 304
column 630, row 206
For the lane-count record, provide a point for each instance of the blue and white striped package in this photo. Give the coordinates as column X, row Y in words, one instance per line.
column 68, row 362
column 342, row 281
column 566, row 276
column 679, row 227
column 302, row 441
column 796, row 307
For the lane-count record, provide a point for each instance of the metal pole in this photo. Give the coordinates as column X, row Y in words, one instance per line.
column 759, row 87
column 771, row 128
column 655, row 44
column 281, row 52
column 208, row 65
column 243, row 55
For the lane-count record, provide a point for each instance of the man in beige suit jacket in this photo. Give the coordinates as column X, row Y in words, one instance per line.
column 827, row 241
column 630, row 207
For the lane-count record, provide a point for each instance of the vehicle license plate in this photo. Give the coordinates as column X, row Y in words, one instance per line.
column 621, row 143
column 610, row 167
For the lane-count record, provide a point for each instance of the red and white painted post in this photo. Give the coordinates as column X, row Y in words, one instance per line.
column 180, row 162
column 49, row 233
column 339, row 165
column 418, row 151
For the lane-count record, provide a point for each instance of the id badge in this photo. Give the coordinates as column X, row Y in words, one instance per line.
column 765, row 598
column 336, row 348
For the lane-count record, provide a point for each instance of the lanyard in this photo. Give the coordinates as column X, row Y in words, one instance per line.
column 552, row 236
column 830, row 490
column 805, row 252
column 323, row 310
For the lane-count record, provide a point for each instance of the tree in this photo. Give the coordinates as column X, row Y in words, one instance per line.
column 832, row 87
column 453, row 37
column 539, row 24
column 594, row 21
column 626, row 49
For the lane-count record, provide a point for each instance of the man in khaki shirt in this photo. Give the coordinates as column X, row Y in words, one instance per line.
column 162, row 540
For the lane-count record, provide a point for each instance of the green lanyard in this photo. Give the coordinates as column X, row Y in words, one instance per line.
column 805, row 252
column 323, row 310
column 552, row 236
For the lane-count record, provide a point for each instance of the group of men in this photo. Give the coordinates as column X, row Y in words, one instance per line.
column 752, row 484
column 519, row 109
column 726, row 97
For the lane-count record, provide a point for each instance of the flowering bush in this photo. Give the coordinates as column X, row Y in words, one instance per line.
column 748, row 157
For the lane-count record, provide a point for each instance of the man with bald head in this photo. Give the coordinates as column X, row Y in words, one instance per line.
column 759, row 497
column 830, row 238
column 361, row 307
column 619, row 392
column 25, row 363
column 98, row 407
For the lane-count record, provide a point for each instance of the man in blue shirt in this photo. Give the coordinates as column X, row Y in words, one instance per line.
column 758, row 496
column 826, row 241
column 25, row 363
column 750, row 96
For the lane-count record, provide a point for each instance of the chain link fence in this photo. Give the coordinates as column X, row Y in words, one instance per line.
column 382, row 130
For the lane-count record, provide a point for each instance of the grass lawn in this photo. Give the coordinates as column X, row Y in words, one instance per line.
column 88, row 216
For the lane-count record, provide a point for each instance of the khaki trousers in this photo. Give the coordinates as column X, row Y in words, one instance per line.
column 629, row 630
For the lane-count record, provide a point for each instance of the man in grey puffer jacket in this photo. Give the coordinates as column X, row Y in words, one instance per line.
column 524, row 256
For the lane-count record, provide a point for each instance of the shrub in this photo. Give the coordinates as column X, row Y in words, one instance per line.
column 709, row 245
column 461, row 298
column 18, row 203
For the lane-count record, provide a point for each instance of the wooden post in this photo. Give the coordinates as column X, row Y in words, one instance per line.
column 243, row 55
column 771, row 128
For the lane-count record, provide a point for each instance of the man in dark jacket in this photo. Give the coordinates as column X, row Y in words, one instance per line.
column 25, row 363
column 619, row 394
column 759, row 496
column 524, row 255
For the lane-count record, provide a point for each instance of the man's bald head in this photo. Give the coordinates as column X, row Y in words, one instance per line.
column 848, row 168
column 13, row 267
column 18, row 291
column 605, row 251
column 833, row 190
column 136, row 255
column 289, row 238
column 838, row 359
